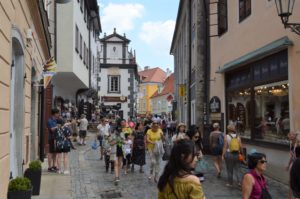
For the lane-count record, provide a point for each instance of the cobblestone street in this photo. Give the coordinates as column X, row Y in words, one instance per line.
column 90, row 181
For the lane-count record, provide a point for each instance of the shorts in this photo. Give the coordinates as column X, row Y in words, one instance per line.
column 52, row 148
column 65, row 150
column 82, row 134
column 128, row 158
column 119, row 151
column 100, row 138
column 216, row 151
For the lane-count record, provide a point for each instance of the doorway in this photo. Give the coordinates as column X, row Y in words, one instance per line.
column 16, row 107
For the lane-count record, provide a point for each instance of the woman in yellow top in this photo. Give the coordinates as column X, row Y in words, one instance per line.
column 153, row 136
column 177, row 182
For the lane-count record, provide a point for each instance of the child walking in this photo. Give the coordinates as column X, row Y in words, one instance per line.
column 127, row 149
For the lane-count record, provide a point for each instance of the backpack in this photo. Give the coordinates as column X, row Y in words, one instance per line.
column 220, row 144
column 234, row 145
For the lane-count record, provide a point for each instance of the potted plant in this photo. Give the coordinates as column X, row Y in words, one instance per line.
column 19, row 187
column 34, row 173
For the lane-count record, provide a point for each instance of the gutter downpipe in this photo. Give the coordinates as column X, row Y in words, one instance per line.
column 189, row 64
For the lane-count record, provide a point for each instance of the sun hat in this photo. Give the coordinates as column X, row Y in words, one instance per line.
column 181, row 124
column 231, row 128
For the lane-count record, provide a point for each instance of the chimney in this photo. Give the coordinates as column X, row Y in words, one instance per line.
column 146, row 68
column 169, row 72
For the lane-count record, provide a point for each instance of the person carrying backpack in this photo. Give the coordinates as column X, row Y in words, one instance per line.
column 216, row 141
column 231, row 150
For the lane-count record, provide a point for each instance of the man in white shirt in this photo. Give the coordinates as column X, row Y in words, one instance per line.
column 83, row 129
column 103, row 133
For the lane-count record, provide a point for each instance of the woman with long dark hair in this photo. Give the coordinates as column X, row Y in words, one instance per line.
column 177, row 181
column 139, row 146
column 194, row 134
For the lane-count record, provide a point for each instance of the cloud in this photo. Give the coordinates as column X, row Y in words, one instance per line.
column 158, row 35
column 120, row 16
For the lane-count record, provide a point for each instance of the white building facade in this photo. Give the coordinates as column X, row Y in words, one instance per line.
column 77, row 31
column 117, row 80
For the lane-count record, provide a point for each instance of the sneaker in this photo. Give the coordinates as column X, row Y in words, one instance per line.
column 67, row 172
column 55, row 169
column 219, row 175
column 202, row 179
column 60, row 172
column 117, row 179
column 51, row 169
column 150, row 177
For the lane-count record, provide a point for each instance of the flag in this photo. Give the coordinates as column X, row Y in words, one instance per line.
column 49, row 71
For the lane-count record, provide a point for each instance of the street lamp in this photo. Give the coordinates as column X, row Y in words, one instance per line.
column 285, row 10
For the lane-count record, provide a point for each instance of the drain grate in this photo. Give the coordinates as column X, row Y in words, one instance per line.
column 111, row 194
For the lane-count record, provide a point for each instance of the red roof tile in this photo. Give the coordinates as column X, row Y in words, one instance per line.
column 168, row 87
column 152, row 75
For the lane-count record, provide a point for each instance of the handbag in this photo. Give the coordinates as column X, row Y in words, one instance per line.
column 201, row 166
column 94, row 145
column 167, row 153
column 158, row 147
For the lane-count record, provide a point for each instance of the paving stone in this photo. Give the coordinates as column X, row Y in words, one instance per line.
column 90, row 180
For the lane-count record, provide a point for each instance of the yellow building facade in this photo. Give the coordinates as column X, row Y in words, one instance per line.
column 24, row 47
column 146, row 90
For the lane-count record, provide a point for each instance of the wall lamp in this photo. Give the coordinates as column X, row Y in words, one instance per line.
column 285, row 10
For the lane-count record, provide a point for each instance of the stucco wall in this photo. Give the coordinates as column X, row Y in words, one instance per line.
column 262, row 27
column 17, row 13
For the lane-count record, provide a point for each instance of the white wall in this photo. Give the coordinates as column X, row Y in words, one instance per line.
column 68, row 16
column 114, row 57
column 123, row 86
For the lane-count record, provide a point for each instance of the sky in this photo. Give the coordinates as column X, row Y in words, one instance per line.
column 149, row 24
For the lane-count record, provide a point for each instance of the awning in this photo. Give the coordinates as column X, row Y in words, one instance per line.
column 258, row 54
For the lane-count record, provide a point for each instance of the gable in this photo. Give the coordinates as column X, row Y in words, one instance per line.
column 115, row 39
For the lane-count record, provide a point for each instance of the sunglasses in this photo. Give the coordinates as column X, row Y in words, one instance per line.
column 263, row 161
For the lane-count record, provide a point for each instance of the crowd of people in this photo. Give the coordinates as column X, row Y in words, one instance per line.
column 125, row 144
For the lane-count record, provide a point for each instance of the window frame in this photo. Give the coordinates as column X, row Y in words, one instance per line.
column 80, row 50
column 244, row 10
column 84, row 53
column 109, row 90
column 81, row 5
column 220, row 33
column 76, row 38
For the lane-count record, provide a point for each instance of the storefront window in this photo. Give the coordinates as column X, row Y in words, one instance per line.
column 239, row 111
column 272, row 112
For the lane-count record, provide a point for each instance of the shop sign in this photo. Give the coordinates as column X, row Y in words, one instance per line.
column 113, row 99
column 215, row 105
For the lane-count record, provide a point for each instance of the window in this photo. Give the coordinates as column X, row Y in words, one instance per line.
column 80, row 50
column 84, row 53
column 81, row 5
column 222, row 17
column 114, row 84
column 76, row 39
column 244, row 9
column 85, row 14
column 87, row 58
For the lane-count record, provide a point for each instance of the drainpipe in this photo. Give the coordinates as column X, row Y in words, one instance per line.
column 90, row 71
column 189, row 63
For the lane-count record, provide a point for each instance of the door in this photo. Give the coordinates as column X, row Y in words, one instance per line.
column 13, row 161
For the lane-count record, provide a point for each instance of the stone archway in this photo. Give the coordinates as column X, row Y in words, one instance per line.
column 17, row 104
